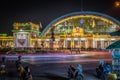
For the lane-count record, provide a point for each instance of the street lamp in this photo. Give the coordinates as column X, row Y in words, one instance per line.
column 81, row 24
column 117, row 4
column 53, row 38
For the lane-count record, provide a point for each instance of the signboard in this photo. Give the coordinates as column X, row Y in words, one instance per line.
column 22, row 40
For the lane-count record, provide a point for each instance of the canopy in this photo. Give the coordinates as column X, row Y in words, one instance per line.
column 116, row 33
column 115, row 45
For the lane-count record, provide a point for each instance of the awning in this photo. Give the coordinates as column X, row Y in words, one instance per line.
column 116, row 33
column 115, row 45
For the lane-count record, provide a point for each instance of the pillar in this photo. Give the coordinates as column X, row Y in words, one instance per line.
column 90, row 43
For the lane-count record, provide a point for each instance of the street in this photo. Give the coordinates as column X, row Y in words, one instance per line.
column 50, row 67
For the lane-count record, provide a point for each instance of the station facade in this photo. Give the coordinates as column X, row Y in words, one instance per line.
column 74, row 30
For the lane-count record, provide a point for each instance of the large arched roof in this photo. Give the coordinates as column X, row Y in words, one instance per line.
column 80, row 13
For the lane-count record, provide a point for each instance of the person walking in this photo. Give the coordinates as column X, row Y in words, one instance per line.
column 79, row 73
column 18, row 62
column 2, row 72
column 27, row 74
column 3, row 60
column 71, row 70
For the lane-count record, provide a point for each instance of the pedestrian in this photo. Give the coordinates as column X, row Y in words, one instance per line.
column 18, row 62
column 27, row 74
column 71, row 70
column 102, row 72
column 102, row 62
column 2, row 72
column 3, row 60
column 79, row 73
column 21, row 71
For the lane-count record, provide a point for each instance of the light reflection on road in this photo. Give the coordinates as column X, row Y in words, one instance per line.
column 62, row 58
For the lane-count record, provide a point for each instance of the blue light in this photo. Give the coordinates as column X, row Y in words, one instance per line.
column 82, row 21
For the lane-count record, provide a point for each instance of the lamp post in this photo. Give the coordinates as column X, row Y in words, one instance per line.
column 117, row 4
column 81, row 24
column 52, row 38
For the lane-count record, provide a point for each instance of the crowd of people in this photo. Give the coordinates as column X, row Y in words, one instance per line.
column 3, row 69
column 23, row 72
column 104, row 71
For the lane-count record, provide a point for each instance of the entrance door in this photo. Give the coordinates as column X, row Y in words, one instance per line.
column 99, row 44
column 68, row 44
column 105, row 44
column 76, row 44
column 82, row 44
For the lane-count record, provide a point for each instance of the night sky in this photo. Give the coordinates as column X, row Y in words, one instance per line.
column 47, row 10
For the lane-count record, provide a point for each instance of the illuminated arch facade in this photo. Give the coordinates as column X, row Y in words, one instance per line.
column 80, row 30
column 74, row 30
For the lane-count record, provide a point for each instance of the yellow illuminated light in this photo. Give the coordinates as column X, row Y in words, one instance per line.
column 80, row 16
column 117, row 4
column 72, row 43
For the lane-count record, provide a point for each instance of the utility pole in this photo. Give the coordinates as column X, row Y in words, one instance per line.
column 81, row 5
column 52, row 38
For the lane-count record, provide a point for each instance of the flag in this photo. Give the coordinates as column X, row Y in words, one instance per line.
column 66, row 23
column 93, row 23
column 40, row 25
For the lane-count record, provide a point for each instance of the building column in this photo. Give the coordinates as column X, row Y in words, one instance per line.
column 72, row 43
column 90, row 43
column 0, row 42
column 94, row 44
column 80, row 43
column 102, row 44
column 86, row 44
column 108, row 42
column 64, row 44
